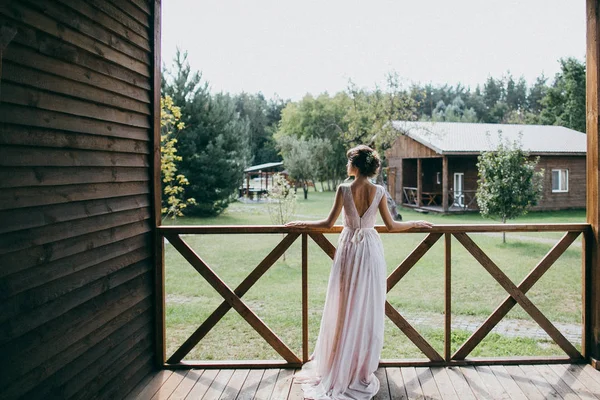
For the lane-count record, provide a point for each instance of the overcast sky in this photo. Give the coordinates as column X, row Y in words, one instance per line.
column 291, row 48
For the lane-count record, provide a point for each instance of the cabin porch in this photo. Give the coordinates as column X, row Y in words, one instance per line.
column 445, row 184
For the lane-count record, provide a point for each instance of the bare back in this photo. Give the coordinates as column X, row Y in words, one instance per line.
column 363, row 195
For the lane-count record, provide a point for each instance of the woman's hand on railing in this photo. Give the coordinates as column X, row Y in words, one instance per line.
column 395, row 226
column 298, row 224
column 421, row 224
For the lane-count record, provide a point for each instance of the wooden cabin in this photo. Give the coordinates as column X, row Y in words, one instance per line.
column 435, row 163
column 81, row 243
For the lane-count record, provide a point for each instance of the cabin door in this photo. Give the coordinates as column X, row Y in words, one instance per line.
column 459, row 186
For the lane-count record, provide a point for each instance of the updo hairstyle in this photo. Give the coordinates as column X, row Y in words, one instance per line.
column 365, row 159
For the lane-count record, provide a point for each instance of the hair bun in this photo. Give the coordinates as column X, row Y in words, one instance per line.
column 365, row 159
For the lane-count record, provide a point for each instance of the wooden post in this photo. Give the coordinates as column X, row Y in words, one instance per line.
column 445, row 183
column 400, row 177
column 447, row 296
column 593, row 182
column 248, row 184
column 159, row 276
column 304, row 297
column 419, row 181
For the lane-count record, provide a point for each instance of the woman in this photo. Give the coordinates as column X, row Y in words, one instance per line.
column 351, row 335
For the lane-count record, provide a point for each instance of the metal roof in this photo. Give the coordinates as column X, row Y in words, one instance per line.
column 263, row 166
column 461, row 137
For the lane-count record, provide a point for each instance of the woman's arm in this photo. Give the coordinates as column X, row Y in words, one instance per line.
column 331, row 218
column 395, row 226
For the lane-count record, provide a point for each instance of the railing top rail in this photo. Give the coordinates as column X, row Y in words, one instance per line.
column 445, row 228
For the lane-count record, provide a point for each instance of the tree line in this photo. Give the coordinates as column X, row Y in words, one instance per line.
column 224, row 133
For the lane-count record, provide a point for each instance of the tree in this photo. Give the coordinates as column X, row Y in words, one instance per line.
column 214, row 142
column 564, row 102
column 372, row 111
column 282, row 201
column 173, row 199
column 536, row 93
column 508, row 183
column 298, row 158
column 370, row 120
column 322, row 121
column 454, row 112
column 262, row 117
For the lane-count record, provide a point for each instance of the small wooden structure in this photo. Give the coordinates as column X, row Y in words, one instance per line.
column 82, row 304
column 264, row 173
column 436, row 163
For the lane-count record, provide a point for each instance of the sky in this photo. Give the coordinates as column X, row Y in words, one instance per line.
column 289, row 48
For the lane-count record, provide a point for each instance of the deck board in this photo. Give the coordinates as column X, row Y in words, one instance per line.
column 563, row 389
column 235, row 384
column 460, row 384
column 396, row 384
column 384, row 390
column 186, row 385
column 491, row 382
column 476, row 383
column 251, row 384
column 202, row 384
column 503, row 382
column 218, row 385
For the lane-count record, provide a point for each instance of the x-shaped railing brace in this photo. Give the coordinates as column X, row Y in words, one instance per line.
column 232, row 298
column 517, row 295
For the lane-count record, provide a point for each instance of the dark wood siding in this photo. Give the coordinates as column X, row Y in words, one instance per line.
column 406, row 147
column 77, row 265
column 468, row 166
column 575, row 197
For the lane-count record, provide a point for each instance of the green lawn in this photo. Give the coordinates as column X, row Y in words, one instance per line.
column 276, row 297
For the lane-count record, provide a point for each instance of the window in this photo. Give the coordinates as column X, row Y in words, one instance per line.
column 438, row 178
column 560, row 180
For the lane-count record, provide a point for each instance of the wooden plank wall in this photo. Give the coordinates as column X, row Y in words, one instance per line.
column 575, row 197
column 76, row 199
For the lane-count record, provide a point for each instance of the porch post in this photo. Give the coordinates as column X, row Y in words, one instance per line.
column 400, row 180
column 592, row 255
column 419, row 181
column 160, row 346
column 248, row 184
column 445, row 183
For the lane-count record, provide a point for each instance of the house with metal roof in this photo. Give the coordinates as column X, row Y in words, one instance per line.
column 433, row 165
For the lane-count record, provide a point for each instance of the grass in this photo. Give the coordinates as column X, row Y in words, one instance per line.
column 276, row 297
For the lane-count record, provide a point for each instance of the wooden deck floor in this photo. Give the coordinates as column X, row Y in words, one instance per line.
column 458, row 383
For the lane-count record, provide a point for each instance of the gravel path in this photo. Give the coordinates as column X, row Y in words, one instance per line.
column 506, row 327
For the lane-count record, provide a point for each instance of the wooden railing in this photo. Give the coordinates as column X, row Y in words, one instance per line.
column 468, row 201
column 410, row 195
column 516, row 293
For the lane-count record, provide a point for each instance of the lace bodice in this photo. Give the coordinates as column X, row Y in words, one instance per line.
column 351, row 218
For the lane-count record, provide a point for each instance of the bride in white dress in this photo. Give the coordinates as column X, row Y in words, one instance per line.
column 351, row 335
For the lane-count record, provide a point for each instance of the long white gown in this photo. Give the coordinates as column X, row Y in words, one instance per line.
column 351, row 335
